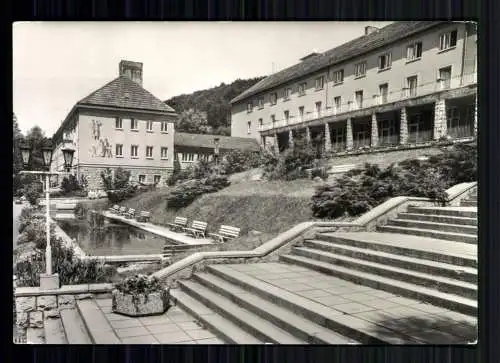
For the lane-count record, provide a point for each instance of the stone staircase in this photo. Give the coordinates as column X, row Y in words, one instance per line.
column 426, row 256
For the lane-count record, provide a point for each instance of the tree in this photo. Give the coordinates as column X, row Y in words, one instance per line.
column 193, row 121
column 18, row 138
column 36, row 140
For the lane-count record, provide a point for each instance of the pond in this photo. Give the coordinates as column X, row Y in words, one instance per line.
column 113, row 239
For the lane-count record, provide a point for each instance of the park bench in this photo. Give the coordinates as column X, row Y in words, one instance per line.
column 179, row 224
column 122, row 211
column 144, row 216
column 198, row 229
column 226, row 233
column 170, row 250
column 114, row 209
column 130, row 213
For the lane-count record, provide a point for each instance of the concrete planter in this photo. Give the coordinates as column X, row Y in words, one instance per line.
column 154, row 303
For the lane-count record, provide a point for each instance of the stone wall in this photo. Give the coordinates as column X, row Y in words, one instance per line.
column 93, row 174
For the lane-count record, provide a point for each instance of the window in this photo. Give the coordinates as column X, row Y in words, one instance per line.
column 164, row 126
column 187, row 157
column 119, row 150
column 133, row 124
column 249, row 127
column 261, row 102
column 359, row 99
column 385, row 61
column 414, row 51
column 288, row 93
column 301, row 113
column 448, row 40
column 164, row 152
column 411, row 84
column 118, row 123
column 320, row 81
column 337, row 101
column 149, row 151
column 142, row 178
column 249, row 107
column 157, row 179
column 149, row 125
column 302, row 89
column 338, row 76
column 133, row 151
column 445, row 77
column 318, row 109
column 274, row 98
column 260, row 123
column 384, row 91
column 360, row 70
column 286, row 115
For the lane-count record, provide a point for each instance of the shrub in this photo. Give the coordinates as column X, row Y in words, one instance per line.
column 119, row 195
column 238, row 161
column 70, row 184
column 32, row 192
column 172, row 179
column 360, row 190
column 139, row 285
column 120, row 181
column 184, row 194
column 80, row 210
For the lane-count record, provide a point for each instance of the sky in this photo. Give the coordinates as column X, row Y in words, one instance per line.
column 56, row 64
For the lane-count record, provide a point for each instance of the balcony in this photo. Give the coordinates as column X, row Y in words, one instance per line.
column 419, row 137
column 377, row 100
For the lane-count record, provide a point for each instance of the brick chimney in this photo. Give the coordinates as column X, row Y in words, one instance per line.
column 370, row 29
column 131, row 70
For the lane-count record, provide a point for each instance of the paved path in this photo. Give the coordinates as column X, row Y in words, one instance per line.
column 421, row 322
column 178, row 238
column 173, row 327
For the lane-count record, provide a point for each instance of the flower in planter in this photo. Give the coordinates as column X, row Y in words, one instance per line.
column 140, row 295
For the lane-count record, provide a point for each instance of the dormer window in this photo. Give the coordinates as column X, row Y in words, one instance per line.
column 126, row 96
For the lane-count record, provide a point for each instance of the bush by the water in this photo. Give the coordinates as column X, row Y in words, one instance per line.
column 237, row 161
column 360, row 190
column 119, row 195
column 184, row 194
column 71, row 270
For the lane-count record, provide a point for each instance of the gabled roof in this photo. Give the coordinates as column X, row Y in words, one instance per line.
column 207, row 141
column 353, row 48
column 125, row 93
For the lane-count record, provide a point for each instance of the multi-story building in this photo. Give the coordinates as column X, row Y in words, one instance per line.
column 406, row 83
column 119, row 125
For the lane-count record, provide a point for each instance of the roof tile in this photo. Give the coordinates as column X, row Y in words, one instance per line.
column 207, row 141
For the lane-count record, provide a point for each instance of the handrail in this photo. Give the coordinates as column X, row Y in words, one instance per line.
column 298, row 230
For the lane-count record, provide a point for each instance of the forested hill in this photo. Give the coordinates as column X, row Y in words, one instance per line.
column 213, row 103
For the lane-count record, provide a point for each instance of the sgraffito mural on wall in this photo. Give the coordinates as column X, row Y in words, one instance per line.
column 101, row 147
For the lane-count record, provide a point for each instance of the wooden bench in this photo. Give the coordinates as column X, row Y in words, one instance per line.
column 179, row 224
column 170, row 250
column 130, row 213
column 144, row 216
column 226, row 233
column 114, row 209
column 198, row 229
column 122, row 211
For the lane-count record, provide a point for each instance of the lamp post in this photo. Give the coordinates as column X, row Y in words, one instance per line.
column 47, row 280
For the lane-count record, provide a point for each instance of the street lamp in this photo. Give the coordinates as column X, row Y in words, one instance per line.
column 48, row 280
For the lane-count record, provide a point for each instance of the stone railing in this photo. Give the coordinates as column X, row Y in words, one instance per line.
column 283, row 243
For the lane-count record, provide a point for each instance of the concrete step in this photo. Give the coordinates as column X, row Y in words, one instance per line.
column 442, row 227
column 439, row 283
column 337, row 321
column 468, row 203
column 412, row 291
column 74, row 327
column 96, row 323
column 303, row 329
column 252, row 323
column 466, row 274
column 448, row 236
column 220, row 326
column 453, row 253
column 54, row 331
column 467, row 212
column 439, row 219
column 35, row 336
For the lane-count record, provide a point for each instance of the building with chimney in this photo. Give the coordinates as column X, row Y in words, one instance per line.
column 409, row 83
column 119, row 125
